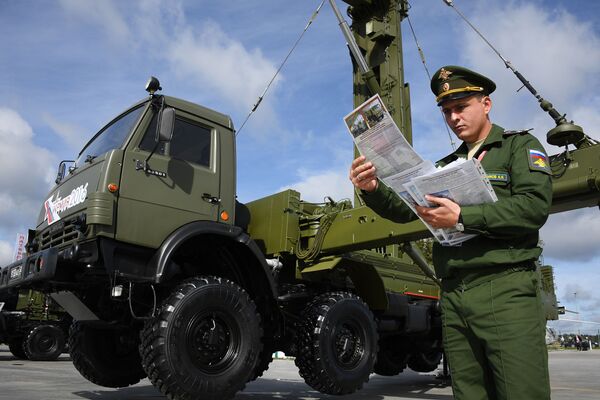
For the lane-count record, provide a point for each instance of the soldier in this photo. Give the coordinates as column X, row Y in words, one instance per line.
column 493, row 321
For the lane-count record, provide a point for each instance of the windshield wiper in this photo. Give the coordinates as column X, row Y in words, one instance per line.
column 89, row 158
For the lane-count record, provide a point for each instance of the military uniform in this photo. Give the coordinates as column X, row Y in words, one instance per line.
column 494, row 326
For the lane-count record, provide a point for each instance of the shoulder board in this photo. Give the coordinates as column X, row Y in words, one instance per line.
column 516, row 132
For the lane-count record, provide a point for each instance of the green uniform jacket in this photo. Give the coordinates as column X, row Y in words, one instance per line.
column 508, row 229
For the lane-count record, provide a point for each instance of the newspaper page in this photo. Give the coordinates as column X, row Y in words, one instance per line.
column 401, row 184
column 378, row 138
column 464, row 182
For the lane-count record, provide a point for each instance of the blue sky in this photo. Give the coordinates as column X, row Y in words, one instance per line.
column 67, row 67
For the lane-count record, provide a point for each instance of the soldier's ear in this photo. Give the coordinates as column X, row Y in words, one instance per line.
column 487, row 103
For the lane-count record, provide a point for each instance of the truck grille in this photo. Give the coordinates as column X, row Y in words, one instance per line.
column 60, row 233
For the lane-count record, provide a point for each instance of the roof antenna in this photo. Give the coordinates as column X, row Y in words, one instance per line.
column 565, row 132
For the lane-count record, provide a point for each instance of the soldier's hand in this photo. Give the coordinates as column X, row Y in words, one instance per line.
column 445, row 215
column 363, row 174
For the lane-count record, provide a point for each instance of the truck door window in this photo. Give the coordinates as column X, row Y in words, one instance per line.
column 191, row 142
column 111, row 137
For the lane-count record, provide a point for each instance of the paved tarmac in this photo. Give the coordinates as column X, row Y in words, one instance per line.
column 574, row 375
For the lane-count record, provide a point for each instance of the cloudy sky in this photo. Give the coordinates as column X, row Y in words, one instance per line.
column 69, row 66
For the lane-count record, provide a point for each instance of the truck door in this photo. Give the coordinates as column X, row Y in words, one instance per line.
column 178, row 189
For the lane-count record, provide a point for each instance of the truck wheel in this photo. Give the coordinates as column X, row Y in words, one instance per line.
column 264, row 360
column 425, row 361
column 104, row 356
column 337, row 343
column 205, row 342
column 15, row 345
column 390, row 360
column 44, row 343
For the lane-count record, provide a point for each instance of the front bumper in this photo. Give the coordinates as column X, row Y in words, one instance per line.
column 37, row 267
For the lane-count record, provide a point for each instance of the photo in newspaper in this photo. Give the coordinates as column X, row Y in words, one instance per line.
column 378, row 138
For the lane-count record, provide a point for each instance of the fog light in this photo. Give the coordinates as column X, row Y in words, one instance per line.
column 117, row 291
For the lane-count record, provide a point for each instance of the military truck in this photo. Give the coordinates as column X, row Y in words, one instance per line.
column 33, row 326
column 166, row 275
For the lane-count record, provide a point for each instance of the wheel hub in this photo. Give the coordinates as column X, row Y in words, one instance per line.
column 348, row 345
column 211, row 343
column 46, row 343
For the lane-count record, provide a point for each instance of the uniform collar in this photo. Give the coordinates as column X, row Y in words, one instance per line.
column 493, row 138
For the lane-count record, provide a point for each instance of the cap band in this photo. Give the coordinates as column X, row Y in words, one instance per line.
column 463, row 89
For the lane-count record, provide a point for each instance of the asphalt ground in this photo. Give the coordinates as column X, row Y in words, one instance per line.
column 573, row 375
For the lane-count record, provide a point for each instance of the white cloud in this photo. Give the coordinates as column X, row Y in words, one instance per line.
column 330, row 183
column 557, row 53
column 202, row 54
column 588, row 117
column 71, row 134
column 572, row 235
column 101, row 13
column 215, row 62
column 27, row 172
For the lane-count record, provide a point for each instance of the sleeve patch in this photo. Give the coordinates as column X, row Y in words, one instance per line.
column 538, row 161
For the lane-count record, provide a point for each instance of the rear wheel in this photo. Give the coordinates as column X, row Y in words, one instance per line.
column 425, row 361
column 106, row 356
column 337, row 343
column 390, row 360
column 44, row 343
column 205, row 343
column 264, row 360
column 15, row 345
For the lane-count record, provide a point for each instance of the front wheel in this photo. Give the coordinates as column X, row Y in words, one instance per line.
column 106, row 356
column 44, row 343
column 337, row 343
column 15, row 345
column 205, row 342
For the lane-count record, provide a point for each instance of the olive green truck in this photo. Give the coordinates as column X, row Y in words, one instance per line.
column 167, row 276
column 32, row 325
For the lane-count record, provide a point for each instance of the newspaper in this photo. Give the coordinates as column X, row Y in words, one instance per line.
column 378, row 138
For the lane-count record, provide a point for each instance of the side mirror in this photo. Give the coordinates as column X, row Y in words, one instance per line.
column 61, row 170
column 167, row 123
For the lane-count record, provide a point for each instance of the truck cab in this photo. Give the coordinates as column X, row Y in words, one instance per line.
column 128, row 191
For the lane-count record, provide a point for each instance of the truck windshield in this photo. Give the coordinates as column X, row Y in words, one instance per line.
column 111, row 137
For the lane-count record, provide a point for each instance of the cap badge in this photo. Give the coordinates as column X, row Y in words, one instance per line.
column 444, row 74
column 445, row 87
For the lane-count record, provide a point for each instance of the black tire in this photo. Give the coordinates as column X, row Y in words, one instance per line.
column 205, row 343
column 106, row 356
column 390, row 360
column 15, row 345
column 425, row 361
column 337, row 343
column 44, row 343
column 264, row 360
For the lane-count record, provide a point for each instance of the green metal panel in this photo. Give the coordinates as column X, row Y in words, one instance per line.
column 361, row 228
column 151, row 207
column 376, row 28
column 100, row 208
column 547, row 292
column 577, row 185
column 274, row 222
column 399, row 276
column 367, row 282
